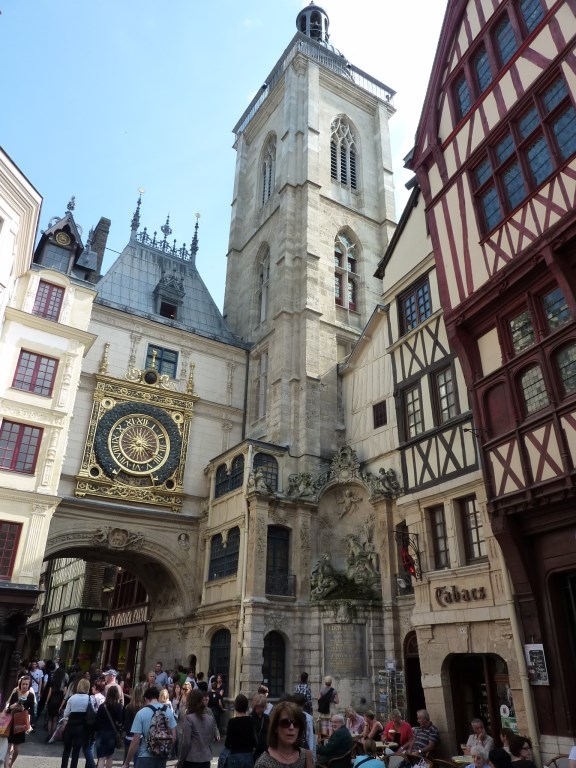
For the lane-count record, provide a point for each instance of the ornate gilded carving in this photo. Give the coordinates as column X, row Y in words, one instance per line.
column 117, row 538
column 137, row 441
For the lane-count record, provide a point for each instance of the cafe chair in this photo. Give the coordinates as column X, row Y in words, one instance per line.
column 558, row 761
column 340, row 761
column 438, row 763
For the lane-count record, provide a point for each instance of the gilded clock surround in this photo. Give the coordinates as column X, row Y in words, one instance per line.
column 137, row 440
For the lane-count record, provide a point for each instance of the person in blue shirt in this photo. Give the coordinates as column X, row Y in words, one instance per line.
column 140, row 728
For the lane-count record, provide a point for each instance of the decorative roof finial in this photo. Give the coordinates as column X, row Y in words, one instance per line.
column 103, row 369
column 136, row 217
column 194, row 244
column 166, row 228
column 71, row 204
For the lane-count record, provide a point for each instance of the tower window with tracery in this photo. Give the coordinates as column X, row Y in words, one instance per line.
column 343, row 154
column 263, row 285
column 268, row 169
column 345, row 272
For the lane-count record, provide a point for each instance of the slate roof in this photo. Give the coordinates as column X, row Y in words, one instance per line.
column 130, row 283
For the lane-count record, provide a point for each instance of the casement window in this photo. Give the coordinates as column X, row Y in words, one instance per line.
column 472, row 530
column 220, row 652
column 345, row 272
column 543, row 314
column 224, row 555
column 48, row 301
column 494, row 50
column 481, row 64
column 414, row 306
column 165, row 361
column 9, row 538
column 533, row 389
column 444, row 395
column 227, row 481
column 566, row 366
column 35, row 373
column 278, row 581
column 528, row 152
column 439, row 536
column 268, row 169
column 263, row 285
column 343, row 154
column 19, row 446
column 379, row 414
column 414, row 420
column 268, row 467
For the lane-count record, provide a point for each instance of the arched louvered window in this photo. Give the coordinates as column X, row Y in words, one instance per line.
column 343, row 154
column 224, row 555
column 268, row 169
column 268, row 466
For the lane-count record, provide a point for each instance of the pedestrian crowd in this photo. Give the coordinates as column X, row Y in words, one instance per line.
column 178, row 714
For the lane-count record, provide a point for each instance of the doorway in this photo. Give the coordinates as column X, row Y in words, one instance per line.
column 480, row 688
column 415, row 699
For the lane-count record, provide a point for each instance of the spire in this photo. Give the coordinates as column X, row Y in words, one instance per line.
column 165, row 229
column 136, row 217
column 313, row 22
column 194, row 244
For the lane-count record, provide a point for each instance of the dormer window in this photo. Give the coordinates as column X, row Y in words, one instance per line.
column 169, row 295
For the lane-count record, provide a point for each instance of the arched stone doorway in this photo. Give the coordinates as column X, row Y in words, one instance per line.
column 480, row 687
column 160, row 557
column 413, row 676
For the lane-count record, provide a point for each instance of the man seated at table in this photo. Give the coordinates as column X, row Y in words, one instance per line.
column 338, row 746
column 426, row 738
column 354, row 722
column 478, row 738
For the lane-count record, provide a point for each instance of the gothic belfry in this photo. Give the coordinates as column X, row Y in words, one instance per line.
column 313, row 211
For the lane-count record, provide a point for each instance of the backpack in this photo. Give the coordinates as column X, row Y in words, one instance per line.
column 159, row 738
column 324, row 702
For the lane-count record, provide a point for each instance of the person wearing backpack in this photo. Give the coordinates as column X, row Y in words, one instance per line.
column 327, row 696
column 153, row 733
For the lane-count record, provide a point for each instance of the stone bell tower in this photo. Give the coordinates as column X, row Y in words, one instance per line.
column 312, row 213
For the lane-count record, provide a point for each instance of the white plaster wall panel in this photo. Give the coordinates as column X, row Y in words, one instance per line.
column 569, row 426
column 489, row 349
column 507, row 468
column 543, row 451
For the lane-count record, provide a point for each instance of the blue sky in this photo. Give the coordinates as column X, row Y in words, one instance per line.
column 102, row 98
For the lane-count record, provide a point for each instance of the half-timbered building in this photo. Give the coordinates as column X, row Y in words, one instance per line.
column 495, row 156
column 407, row 406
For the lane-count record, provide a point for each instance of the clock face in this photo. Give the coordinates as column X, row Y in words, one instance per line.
column 139, row 444
column 62, row 238
column 136, row 440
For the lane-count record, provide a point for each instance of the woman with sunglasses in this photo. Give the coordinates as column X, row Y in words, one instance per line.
column 287, row 724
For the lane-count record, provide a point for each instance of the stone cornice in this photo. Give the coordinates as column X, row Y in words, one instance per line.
column 49, row 326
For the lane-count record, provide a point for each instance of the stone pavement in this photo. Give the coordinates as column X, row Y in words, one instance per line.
column 35, row 753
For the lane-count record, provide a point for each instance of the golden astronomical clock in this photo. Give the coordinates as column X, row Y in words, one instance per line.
column 138, row 440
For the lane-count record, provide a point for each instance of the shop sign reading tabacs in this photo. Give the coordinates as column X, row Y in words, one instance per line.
column 447, row 596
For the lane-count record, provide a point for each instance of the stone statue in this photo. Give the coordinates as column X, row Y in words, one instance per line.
column 348, row 502
column 323, row 579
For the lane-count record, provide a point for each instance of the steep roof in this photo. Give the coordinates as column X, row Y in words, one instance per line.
column 149, row 273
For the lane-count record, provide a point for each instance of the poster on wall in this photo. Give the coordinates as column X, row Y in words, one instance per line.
column 536, row 663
